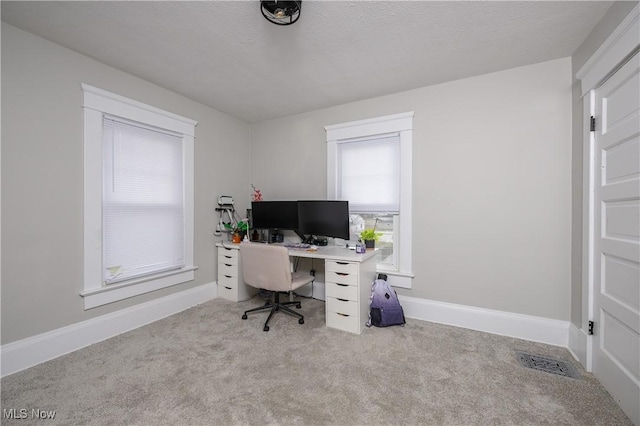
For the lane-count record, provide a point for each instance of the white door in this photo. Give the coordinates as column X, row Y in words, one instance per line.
column 616, row 345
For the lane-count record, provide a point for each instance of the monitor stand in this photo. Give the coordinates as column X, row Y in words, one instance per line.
column 303, row 239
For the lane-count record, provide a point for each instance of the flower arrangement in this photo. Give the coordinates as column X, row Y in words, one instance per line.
column 257, row 195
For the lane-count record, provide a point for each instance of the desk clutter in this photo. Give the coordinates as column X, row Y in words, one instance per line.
column 300, row 246
column 297, row 245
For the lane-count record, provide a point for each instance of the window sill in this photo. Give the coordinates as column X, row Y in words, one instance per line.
column 397, row 278
column 115, row 292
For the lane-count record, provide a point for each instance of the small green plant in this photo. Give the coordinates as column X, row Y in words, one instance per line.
column 241, row 226
column 370, row 234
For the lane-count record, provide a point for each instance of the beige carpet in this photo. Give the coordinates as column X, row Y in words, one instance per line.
column 207, row 366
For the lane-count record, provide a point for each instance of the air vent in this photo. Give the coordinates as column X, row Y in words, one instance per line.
column 548, row 365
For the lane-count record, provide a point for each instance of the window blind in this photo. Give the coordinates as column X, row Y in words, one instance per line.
column 369, row 174
column 143, row 201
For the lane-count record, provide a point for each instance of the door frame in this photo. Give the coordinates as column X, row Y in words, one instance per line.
column 620, row 46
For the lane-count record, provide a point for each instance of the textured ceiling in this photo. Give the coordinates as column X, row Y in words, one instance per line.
column 227, row 56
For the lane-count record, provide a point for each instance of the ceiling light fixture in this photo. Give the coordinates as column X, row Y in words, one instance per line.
column 281, row 12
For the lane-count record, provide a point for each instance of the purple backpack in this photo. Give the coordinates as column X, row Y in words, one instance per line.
column 385, row 309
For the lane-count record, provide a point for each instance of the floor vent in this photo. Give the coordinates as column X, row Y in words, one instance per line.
column 549, row 365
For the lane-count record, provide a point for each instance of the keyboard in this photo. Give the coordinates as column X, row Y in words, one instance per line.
column 301, row 246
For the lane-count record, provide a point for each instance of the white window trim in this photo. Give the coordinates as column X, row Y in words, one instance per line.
column 96, row 103
column 396, row 123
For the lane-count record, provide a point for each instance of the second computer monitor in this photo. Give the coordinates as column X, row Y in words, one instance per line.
column 274, row 215
column 324, row 218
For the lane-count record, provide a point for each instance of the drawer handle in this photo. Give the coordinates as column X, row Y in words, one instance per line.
column 342, row 263
column 342, row 274
column 228, row 276
column 342, row 300
column 229, row 257
column 228, row 288
column 343, row 285
column 228, row 249
column 227, row 264
column 343, row 315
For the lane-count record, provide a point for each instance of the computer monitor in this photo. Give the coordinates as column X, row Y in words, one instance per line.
column 282, row 215
column 324, row 218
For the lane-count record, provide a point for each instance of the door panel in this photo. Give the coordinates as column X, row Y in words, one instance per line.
column 617, row 237
column 621, row 219
column 620, row 276
column 621, row 345
column 618, row 101
column 622, row 161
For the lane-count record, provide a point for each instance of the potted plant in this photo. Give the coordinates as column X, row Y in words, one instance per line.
column 369, row 236
column 238, row 231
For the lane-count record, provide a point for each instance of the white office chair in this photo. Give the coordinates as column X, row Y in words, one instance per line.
column 267, row 267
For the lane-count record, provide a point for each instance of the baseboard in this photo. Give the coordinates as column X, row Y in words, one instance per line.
column 537, row 329
column 17, row 356
column 25, row 353
column 578, row 345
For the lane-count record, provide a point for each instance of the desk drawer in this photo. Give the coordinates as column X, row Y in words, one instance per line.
column 343, row 322
column 228, row 293
column 228, row 251
column 345, row 292
column 342, row 267
column 342, row 306
column 227, row 269
column 228, row 258
column 341, row 278
column 228, row 281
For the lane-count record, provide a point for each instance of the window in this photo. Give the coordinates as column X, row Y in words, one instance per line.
column 138, row 198
column 142, row 201
column 368, row 173
column 380, row 195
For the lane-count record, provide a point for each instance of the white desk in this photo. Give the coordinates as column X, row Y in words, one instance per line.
column 348, row 277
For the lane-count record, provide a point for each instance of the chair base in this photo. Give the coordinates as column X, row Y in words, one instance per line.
column 274, row 307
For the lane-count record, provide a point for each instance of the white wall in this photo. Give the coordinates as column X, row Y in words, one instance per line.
column 492, row 170
column 42, row 180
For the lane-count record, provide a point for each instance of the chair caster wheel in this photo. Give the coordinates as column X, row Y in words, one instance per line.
column 266, row 328
column 301, row 321
column 299, row 306
column 244, row 316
